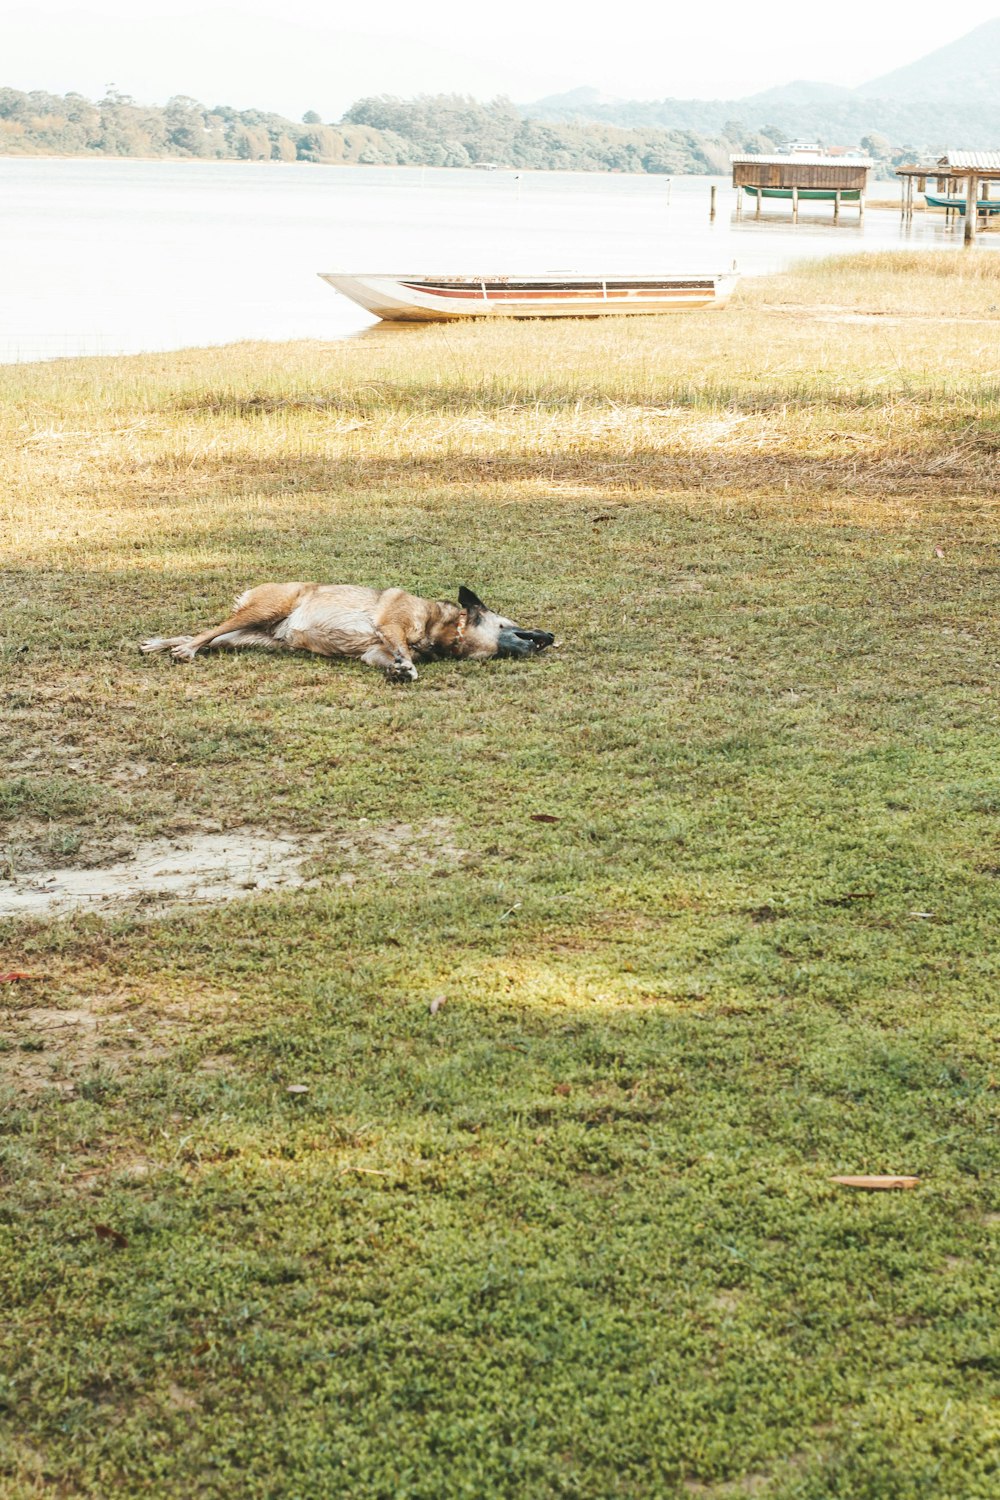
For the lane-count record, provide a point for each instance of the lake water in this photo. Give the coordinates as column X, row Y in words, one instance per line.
column 117, row 256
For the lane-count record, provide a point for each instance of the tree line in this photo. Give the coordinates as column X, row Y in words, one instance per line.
column 440, row 130
column 437, row 131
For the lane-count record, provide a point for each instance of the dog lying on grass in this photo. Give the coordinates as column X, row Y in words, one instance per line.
column 386, row 629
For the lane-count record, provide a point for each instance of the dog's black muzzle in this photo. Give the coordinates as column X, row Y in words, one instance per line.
column 523, row 642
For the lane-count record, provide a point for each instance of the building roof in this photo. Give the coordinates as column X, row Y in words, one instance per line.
column 988, row 160
column 956, row 164
column 802, row 159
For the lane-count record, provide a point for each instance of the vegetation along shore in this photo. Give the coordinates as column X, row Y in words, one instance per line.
column 495, row 1156
column 444, row 130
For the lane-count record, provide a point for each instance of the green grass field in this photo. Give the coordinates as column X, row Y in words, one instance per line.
column 573, row 1233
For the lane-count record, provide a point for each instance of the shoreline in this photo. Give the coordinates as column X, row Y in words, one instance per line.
column 501, row 171
column 165, row 257
column 388, row 333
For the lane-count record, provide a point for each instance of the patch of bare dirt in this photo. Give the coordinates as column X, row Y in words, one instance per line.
column 200, row 869
column 197, row 867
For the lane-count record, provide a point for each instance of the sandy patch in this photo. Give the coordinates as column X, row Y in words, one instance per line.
column 203, row 868
column 197, row 870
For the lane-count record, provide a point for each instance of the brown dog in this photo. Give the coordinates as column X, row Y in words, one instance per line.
column 385, row 629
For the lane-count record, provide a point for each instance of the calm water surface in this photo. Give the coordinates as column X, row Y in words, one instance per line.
column 104, row 257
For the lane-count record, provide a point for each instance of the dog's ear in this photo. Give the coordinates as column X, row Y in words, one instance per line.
column 470, row 601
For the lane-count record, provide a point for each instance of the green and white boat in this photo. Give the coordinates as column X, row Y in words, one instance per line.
column 986, row 205
column 806, row 195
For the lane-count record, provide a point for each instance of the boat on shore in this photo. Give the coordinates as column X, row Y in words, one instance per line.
column 986, row 205
column 424, row 299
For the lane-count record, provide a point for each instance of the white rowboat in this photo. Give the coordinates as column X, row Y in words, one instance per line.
column 556, row 295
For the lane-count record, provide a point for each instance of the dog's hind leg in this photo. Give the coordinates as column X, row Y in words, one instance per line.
column 164, row 643
column 267, row 605
column 234, row 638
column 176, row 644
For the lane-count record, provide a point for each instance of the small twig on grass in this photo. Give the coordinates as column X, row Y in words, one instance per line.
column 876, row 1184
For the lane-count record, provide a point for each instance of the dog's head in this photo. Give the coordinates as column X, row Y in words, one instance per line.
column 484, row 633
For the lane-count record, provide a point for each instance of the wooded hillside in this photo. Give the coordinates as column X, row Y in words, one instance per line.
column 438, row 131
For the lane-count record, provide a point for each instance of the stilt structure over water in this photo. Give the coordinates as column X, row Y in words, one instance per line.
column 803, row 175
column 963, row 180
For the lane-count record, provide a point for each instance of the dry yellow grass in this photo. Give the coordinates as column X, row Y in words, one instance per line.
column 864, row 377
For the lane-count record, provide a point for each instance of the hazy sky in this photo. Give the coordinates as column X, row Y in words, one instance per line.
column 294, row 55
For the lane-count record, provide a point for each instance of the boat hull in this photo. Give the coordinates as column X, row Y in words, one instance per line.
column 806, row 195
column 986, row 205
column 415, row 299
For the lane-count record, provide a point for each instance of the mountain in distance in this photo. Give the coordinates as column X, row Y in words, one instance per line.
column 947, row 98
column 970, row 65
column 581, row 100
column 592, row 103
column 801, row 93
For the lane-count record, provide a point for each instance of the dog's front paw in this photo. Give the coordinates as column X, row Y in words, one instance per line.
column 183, row 651
column 401, row 670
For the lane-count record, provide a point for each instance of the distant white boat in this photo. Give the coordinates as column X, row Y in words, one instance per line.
column 427, row 299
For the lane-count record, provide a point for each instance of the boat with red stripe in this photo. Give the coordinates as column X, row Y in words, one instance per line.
column 407, row 298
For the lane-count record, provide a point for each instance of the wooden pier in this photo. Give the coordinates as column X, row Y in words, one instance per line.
column 966, row 177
